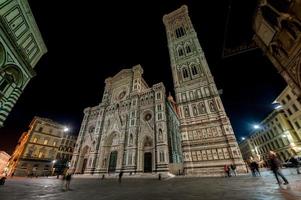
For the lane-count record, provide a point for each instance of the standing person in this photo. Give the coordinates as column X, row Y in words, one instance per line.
column 67, row 181
column 233, row 168
column 227, row 170
column 296, row 163
column 275, row 167
column 120, row 176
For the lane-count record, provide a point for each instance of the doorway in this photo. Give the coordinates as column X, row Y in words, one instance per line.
column 84, row 165
column 148, row 162
column 113, row 161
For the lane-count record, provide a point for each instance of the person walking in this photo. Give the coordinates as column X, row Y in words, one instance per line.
column 120, row 177
column 275, row 167
column 233, row 168
column 256, row 168
column 296, row 163
column 67, row 181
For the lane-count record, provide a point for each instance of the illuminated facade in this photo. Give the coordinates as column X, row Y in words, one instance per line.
column 4, row 157
column 275, row 133
column 21, row 47
column 208, row 140
column 277, row 26
column 291, row 106
column 43, row 143
column 129, row 130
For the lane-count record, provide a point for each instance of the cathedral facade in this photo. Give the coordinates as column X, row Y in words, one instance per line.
column 128, row 131
column 137, row 129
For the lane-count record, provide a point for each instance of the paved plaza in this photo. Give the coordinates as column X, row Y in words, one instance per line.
column 242, row 187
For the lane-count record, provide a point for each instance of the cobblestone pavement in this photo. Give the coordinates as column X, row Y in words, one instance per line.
column 185, row 188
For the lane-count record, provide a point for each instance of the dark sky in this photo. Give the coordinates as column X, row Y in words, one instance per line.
column 89, row 41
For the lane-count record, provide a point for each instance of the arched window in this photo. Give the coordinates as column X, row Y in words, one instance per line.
column 180, row 51
column 160, row 135
column 188, row 49
column 194, row 70
column 131, row 139
column 185, row 73
column 180, row 32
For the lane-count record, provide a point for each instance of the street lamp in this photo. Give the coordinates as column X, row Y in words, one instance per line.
column 66, row 129
column 256, row 126
column 243, row 138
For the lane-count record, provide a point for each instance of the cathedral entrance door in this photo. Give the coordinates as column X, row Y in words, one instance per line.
column 148, row 162
column 84, row 165
column 113, row 161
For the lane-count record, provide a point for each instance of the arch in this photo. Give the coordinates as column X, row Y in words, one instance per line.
column 187, row 47
column 180, row 51
column 13, row 74
column 270, row 15
column 185, row 73
column 193, row 69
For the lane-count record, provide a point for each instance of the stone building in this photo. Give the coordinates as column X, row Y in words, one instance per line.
column 135, row 129
column 40, row 148
column 4, row 157
column 275, row 133
column 208, row 141
column 129, row 130
column 289, row 102
column 247, row 149
column 277, row 26
column 21, row 47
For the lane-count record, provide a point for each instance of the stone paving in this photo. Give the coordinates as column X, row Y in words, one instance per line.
column 179, row 188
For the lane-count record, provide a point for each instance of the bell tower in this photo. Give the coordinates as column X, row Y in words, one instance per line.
column 208, row 141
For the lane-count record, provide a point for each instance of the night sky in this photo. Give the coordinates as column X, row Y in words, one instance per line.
column 88, row 42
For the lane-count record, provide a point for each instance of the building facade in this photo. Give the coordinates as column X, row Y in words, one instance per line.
column 291, row 106
column 40, row 148
column 128, row 130
column 4, row 157
column 208, row 141
column 21, row 47
column 275, row 134
column 247, row 149
column 277, row 26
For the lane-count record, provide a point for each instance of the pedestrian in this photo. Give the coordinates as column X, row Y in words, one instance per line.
column 103, row 177
column 227, row 170
column 275, row 167
column 233, row 168
column 120, row 176
column 256, row 166
column 67, row 181
column 296, row 163
column 159, row 176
